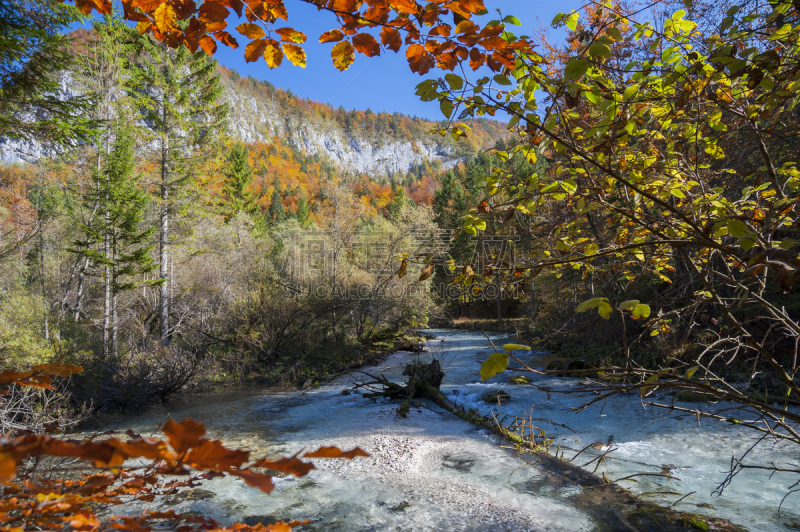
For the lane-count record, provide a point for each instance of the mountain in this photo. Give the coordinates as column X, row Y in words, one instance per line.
column 358, row 142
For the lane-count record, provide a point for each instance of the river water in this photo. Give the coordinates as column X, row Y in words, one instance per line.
column 433, row 471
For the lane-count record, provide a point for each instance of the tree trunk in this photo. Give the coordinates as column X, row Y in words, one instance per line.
column 107, row 281
column 163, row 253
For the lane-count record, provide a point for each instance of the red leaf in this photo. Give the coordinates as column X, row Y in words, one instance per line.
column 335, row 452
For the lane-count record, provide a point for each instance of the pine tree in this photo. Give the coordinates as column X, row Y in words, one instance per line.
column 34, row 50
column 303, row 212
column 276, row 212
column 399, row 201
column 125, row 252
column 180, row 95
column 238, row 176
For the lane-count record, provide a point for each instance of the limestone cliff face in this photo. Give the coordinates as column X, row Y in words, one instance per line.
column 271, row 113
column 253, row 120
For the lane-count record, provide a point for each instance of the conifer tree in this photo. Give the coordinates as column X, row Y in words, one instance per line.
column 276, row 212
column 179, row 92
column 125, row 252
column 34, row 50
column 303, row 212
column 238, row 176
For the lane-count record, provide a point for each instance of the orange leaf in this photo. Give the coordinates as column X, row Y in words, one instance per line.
column 148, row 6
column 366, row 44
column 273, row 54
column 290, row 35
column 293, row 466
column 295, row 54
column 402, row 271
column 165, row 17
column 331, row 36
column 427, row 272
column 59, row 370
column 484, row 207
column 8, row 467
column 208, row 45
column 254, row 50
column 391, row 39
column 405, row 6
column 335, row 452
column 472, row 6
column 345, row 6
column 419, row 59
column 184, row 435
column 476, row 59
column 211, row 454
column 211, row 11
column 256, row 480
column 343, row 55
column 226, row 38
column 251, row 31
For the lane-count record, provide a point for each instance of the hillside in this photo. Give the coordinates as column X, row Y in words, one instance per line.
column 354, row 142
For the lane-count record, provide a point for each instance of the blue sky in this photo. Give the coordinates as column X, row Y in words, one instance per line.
column 383, row 83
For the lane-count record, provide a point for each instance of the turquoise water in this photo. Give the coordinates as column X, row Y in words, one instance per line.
column 432, row 471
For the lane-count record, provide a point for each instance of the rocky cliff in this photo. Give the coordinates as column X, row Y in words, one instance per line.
column 355, row 141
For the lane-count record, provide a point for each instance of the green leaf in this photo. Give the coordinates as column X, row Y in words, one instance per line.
column 598, row 49
column 501, row 79
column 629, row 92
column 614, row 34
column 651, row 380
column 591, row 249
column 625, row 305
column 576, row 68
column 738, row 228
column 455, row 82
column 494, row 365
column 589, row 304
column 516, row 347
column 510, row 19
column 447, row 108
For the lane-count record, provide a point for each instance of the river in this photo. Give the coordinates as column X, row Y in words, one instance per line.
column 433, row 471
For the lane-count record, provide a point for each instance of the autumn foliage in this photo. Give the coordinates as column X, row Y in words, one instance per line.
column 396, row 23
column 59, row 484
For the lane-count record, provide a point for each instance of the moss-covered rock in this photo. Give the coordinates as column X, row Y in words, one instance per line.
column 494, row 396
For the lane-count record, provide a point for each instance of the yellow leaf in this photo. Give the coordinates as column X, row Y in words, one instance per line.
column 291, row 35
column 295, row 54
column 273, row 55
column 251, row 31
column 494, row 365
column 604, row 309
column 625, row 305
column 343, row 55
column 165, row 17
column 516, row 347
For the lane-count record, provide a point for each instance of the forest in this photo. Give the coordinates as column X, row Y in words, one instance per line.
column 635, row 219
